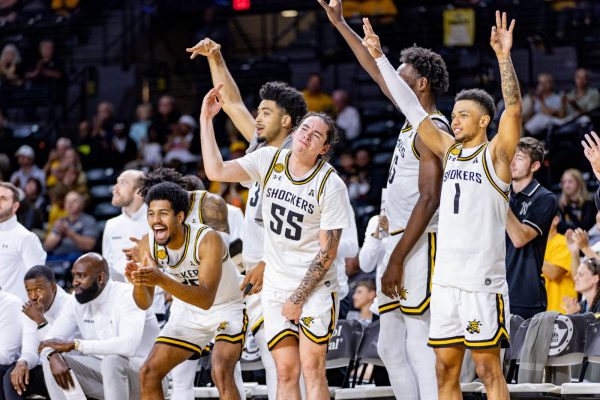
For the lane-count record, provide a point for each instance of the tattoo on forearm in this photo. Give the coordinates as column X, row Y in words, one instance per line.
column 317, row 268
column 510, row 85
column 214, row 213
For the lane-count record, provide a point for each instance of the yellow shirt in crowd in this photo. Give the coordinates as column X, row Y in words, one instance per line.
column 320, row 102
column 557, row 253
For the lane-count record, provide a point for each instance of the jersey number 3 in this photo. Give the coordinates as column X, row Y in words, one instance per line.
column 294, row 230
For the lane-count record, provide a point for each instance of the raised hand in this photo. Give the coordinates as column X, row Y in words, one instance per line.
column 591, row 149
column 148, row 274
column 371, row 40
column 334, row 10
column 212, row 103
column 131, row 253
column 205, row 48
column 501, row 38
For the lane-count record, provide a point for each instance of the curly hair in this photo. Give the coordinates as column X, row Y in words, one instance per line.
column 290, row 100
column 159, row 175
column 479, row 96
column 429, row 65
column 171, row 192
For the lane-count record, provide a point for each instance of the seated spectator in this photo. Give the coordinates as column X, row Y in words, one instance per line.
column 73, row 179
column 124, row 149
column 557, row 268
column 364, row 187
column 348, row 117
column 166, row 117
column 47, row 70
column 363, row 298
column 11, row 331
column 56, row 160
column 57, row 210
column 316, row 99
column 541, row 108
column 73, row 235
column 152, row 150
column 113, row 336
column 139, row 129
column 582, row 98
column 33, row 193
column 30, row 217
column 180, row 140
column 345, row 165
column 46, row 300
column 27, row 169
column 575, row 206
column 11, row 68
column 103, row 120
column 587, row 284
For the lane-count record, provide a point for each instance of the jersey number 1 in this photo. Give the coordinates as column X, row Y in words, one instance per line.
column 292, row 219
column 456, row 198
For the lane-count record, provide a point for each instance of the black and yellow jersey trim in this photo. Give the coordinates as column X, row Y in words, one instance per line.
column 446, row 342
column 238, row 337
column 472, row 156
column 182, row 344
column 394, row 305
column 449, row 151
column 407, row 128
column 488, row 175
column 280, row 336
column 414, row 148
column 192, row 200
column 424, row 305
column 271, row 166
column 303, row 181
column 325, row 338
column 185, row 250
column 322, row 185
column 196, row 243
column 200, row 207
column 257, row 325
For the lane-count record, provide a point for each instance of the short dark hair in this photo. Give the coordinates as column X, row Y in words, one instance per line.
column 428, row 64
column 368, row 283
column 160, row 175
column 533, row 148
column 479, row 96
column 290, row 100
column 40, row 271
column 333, row 133
column 175, row 194
column 13, row 189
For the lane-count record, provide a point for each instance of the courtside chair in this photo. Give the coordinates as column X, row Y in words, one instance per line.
column 586, row 390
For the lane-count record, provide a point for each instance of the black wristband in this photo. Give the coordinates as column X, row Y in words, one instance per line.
column 43, row 324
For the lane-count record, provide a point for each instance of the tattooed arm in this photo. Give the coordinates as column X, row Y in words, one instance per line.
column 504, row 144
column 214, row 212
column 329, row 241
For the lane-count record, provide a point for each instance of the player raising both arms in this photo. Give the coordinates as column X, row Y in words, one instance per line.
column 469, row 302
column 304, row 208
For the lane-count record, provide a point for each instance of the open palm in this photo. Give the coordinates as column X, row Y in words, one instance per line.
column 501, row 38
column 212, row 103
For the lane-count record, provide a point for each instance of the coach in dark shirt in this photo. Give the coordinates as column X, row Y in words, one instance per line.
column 532, row 208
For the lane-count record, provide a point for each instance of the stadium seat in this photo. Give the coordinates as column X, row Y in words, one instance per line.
column 100, row 175
column 343, row 346
column 100, row 193
column 587, row 390
column 513, row 353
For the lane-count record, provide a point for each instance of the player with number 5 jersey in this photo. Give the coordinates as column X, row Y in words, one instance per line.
column 305, row 207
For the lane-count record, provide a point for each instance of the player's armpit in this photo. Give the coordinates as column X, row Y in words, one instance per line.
column 330, row 240
column 214, row 212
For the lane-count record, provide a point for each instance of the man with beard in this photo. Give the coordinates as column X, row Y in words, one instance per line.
column 204, row 282
column 46, row 299
column 20, row 249
column 113, row 337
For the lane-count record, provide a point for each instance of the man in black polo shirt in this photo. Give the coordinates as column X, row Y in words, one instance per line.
column 532, row 208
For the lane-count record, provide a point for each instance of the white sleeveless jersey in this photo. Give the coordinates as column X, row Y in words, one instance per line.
column 183, row 265
column 252, row 232
column 473, row 208
column 403, row 179
column 294, row 210
column 194, row 215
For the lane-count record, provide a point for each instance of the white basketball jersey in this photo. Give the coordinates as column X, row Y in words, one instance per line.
column 403, row 179
column 253, row 232
column 471, row 231
column 184, row 264
column 294, row 210
column 194, row 215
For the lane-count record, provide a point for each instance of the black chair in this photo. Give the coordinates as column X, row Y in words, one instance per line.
column 343, row 346
column 586, row 390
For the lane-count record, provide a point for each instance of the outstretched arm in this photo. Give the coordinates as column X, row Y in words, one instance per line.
column 233, row 105
column 504, row 144
column 216, row 169
column 336, row 17
column 436, row 139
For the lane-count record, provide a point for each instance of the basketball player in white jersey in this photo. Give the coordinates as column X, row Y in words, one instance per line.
column 304, row 210
column 413, row 192
column 279, row 111
column 469, row 302
column 204, row 283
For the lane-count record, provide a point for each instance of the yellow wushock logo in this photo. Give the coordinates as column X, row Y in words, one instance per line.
column 307, row 321
column 474, row 327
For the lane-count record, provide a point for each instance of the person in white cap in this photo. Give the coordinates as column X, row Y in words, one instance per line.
column 180, row 140
column 27, row 169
